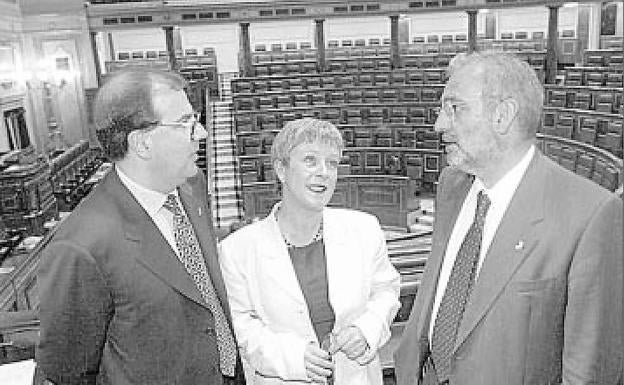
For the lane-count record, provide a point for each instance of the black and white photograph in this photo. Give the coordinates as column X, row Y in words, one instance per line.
column 301, row 192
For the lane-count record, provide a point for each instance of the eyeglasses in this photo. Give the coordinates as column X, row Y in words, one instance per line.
column 450, row 108
column 190, row 120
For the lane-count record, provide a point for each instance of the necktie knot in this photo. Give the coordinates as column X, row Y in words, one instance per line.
column 171, row 204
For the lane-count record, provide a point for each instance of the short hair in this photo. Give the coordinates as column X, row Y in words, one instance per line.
column 125, row 104
column 504, row 75
column 306, row 130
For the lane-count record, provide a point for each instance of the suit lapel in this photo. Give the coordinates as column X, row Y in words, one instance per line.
column 517, row 235
column 153, row 250
column 156, row 255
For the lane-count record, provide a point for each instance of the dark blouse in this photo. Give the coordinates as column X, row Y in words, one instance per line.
column 310, row 266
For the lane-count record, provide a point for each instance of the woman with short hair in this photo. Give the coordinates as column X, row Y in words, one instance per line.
column 308, row 273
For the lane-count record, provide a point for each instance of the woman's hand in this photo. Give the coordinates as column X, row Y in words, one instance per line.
column 318, row 363
column 351, row 342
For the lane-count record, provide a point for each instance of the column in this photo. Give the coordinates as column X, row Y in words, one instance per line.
column 595, row 19
column 583, row 26
column 96, row 56
column 472, row 30
column 319, row 42
column 111, row 46
column 177, row 42
column 551, row 48
column 395, row 57
column 170, row 46
column 244, row 50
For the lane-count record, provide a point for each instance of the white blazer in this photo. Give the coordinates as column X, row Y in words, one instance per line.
column 269, row 312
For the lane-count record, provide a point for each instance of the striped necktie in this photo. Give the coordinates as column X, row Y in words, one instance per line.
column 190, row 254
column 457, row 292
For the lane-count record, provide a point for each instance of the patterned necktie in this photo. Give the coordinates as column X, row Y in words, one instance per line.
column 457, row 292
column 190, row 254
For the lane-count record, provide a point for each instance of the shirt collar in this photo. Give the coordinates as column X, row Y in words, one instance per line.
column 150, row 200
column 504, row 189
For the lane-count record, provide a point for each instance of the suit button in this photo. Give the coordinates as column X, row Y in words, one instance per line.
column 209, row 331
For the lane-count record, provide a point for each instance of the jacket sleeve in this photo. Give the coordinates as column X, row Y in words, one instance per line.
column 75, row 308
column 592, row 350
column 269, row 353
column 383, row 301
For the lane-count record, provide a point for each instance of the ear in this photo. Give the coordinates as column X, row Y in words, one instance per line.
column 140, row 143
column 504, row 115
column 280, row 169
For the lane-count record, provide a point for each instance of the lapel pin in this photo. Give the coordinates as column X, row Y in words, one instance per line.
column 519, row 245
column 199, row 211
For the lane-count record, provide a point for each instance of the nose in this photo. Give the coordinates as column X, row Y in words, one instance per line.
column 200, row 132
column 324, row 169
column 442, row 122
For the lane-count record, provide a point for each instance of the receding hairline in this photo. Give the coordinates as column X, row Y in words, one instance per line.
column 505, row 75
column 134, row 84
column 477, row 64
column 487, row 65
column 155, row 78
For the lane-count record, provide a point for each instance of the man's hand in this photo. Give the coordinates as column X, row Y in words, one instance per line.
column 351, row 342
column 318, row 363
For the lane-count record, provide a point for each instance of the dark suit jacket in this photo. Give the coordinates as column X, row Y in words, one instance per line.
column 117, row 307
column 547, row 305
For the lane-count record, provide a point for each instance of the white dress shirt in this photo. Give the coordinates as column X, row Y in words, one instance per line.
column 500, row 195
column 152, row 202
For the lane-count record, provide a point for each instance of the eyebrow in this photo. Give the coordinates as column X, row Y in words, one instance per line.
column 450, row 98
column 187, row 116
column 315, row 154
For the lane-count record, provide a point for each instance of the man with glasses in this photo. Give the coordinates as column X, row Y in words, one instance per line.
column 130, row 286
column 524, row 281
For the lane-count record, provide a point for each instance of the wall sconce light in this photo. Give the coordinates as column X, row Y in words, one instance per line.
column 47, row 77
column 7, row 81
column 7, row 66
column 49, row 72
